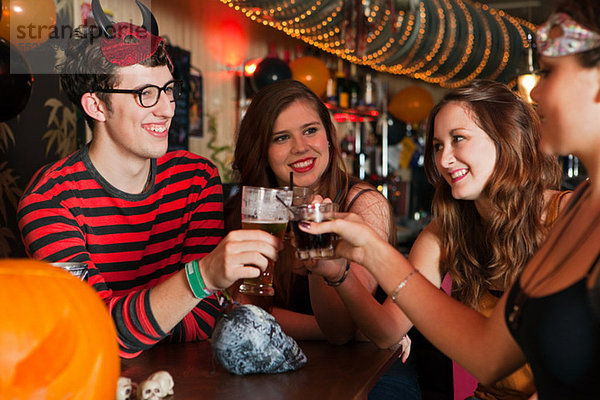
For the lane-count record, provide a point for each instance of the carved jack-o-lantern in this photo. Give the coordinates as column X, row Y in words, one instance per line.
column 57, row 340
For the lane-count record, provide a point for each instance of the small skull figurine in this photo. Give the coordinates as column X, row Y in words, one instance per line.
column 165, row 381
column 125, row 389
column 149, row 390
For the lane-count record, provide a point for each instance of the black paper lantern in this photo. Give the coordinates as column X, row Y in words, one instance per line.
column 270, row 70
column 396, row 130
column 16, row 81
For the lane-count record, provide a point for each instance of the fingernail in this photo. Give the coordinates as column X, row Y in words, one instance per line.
column 304, row 224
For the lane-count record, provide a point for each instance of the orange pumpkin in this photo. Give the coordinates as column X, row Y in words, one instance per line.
column 57, row 340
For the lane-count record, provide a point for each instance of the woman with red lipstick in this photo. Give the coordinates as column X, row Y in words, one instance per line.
column 287, row 129
column 549, row 316
column 494, row 202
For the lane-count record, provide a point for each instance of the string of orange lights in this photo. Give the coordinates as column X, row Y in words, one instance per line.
column 445, row 42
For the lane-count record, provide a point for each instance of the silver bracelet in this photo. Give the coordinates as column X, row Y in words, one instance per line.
column 402, row 284
column 342, row 279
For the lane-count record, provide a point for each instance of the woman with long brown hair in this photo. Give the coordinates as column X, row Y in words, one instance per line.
column 550, row 316
column 489, row 232
column 288, row 129
column 495, row 199
column 494, row 203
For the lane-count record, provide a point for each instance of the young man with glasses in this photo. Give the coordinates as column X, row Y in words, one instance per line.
column 148, row 223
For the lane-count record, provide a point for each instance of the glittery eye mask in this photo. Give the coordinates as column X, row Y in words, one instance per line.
column 562, row 35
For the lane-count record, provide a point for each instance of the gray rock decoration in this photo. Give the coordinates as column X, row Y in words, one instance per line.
column 248, row 340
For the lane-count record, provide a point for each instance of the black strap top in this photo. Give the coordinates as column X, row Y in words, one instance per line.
column 560, row 337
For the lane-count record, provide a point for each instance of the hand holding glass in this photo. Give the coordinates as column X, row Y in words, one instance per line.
column 262, row 210
column 314, row 246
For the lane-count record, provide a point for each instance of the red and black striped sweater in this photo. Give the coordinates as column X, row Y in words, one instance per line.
column 131, row 242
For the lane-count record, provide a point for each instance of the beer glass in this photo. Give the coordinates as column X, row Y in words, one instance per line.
column 302, row 195
column 261, row 209
column 314, row 246
column 77, row 269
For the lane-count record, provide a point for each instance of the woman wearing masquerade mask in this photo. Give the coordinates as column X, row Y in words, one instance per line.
column 495, row 201
column 550, row 317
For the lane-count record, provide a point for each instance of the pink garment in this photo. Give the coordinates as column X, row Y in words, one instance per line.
column 464, row 383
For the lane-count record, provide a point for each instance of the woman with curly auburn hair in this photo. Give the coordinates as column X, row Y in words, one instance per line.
column 488, row 236
column 495, row 200
column 549, row 317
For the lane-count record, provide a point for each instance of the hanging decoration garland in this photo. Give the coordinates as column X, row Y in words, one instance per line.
column 446, row 42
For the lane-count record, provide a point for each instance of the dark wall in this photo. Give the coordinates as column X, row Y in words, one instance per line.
column 43, row 132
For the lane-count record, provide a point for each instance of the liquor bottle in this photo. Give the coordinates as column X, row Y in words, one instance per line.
column 286, row 56
column 330, row 93
column 342, row 92
column 354, row 87
column 369, row 103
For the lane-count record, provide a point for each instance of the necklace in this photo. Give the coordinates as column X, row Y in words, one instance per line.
column 514, row 317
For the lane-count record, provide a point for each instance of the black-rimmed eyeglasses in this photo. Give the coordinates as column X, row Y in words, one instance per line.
column 149, row 95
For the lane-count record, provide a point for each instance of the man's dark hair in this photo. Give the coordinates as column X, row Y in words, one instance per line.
column 85, row 69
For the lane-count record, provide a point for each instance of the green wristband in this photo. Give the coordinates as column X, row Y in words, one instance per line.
column 194, row 278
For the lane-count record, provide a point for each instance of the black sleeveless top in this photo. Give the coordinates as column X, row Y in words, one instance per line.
column 560, row 337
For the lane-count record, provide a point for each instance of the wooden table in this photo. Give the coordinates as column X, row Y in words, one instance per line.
column 332, row 372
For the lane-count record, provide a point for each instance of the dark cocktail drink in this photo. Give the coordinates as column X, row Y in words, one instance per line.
column 312, row 246
column 309, row 245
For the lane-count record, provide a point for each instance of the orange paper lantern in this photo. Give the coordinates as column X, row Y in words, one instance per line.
column 312, row 72
column 5, row 20
column 27, row 23
column 57, row 339
column 411, row 104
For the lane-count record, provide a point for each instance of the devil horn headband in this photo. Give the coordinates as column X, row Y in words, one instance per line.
column 148, row 22
column 125, row 44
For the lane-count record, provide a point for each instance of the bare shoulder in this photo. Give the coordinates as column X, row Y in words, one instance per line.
column 428, row 239
column 366, row 201
column 425, row 253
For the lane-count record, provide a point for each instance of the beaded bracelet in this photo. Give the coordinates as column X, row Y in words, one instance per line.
column 402, row 284
column 342, row 279
column 194, row 278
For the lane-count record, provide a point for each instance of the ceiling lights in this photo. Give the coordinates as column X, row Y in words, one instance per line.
column 446, row 42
